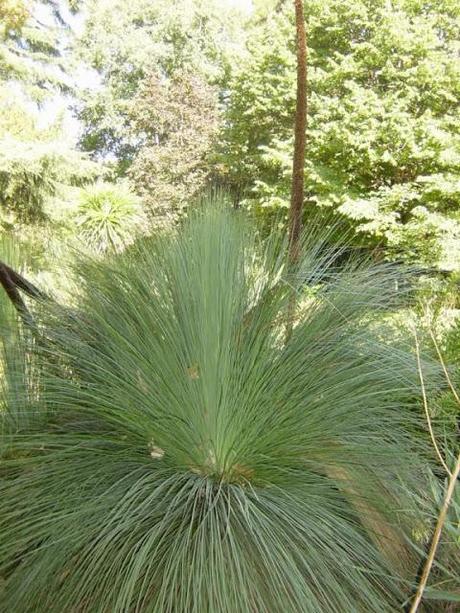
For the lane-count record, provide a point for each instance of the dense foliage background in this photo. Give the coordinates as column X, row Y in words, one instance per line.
column 176, row 97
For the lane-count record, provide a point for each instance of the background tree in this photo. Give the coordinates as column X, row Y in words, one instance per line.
column 126, row 41
column 40, row 168
column 384, row 138
column 177, row 120
column 33, row 37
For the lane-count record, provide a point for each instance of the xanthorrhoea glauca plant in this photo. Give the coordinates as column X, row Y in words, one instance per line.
column 177, row 455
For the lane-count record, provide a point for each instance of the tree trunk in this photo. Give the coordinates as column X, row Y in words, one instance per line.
column 297, row 187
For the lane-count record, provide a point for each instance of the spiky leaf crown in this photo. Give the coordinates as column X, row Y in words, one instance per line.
column 175, row 454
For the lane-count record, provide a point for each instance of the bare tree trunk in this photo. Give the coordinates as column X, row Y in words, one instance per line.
column 297, row 188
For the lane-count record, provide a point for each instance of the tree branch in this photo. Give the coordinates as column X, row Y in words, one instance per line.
column 13, row 294
column 452, row 479
column 22, row 283
column 12, row 282
column 436, row 536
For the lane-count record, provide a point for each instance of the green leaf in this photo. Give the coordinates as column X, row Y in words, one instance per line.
column 432, row 594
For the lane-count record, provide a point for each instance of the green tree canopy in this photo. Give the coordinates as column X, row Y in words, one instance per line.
column 32, row 41
column 37, row 163
column 128, row 40
column 177, row 122
column 383, row 144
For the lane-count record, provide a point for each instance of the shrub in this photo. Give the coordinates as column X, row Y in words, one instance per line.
column 108, row 217
column 31, row 173
column 179, row 456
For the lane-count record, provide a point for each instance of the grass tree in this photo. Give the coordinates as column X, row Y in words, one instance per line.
column 175, row 454
column 109, row 216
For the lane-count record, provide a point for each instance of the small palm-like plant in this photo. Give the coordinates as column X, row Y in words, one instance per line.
column 179, row 456
column 108, row 217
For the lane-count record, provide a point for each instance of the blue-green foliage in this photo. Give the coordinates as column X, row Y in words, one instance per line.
column 177, row 455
